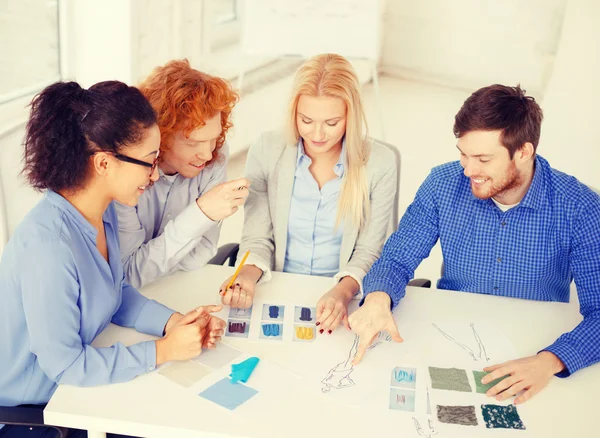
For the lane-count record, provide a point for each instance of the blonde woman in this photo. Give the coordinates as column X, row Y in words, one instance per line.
column 321, row 197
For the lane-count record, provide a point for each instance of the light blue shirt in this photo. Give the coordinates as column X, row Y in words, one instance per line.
column 167, row 232
column 313, row 241
column 57, row 293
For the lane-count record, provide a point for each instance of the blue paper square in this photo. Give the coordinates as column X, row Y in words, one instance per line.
column 227, row 394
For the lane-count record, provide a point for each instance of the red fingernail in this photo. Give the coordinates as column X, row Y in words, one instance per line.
column 318, row 323
column 329, row 332
column 321, row 331
column 238, row 285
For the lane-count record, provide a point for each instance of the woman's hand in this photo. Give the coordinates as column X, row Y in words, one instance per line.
column 241, row 294
column 184, row 339
column 332, row 308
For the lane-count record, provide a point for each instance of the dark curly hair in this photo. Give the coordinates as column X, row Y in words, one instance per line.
column 68, row 124
column 505, row 108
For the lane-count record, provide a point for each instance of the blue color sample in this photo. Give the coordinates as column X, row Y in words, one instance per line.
column 271, row 329
column 228, row 394
column 242, row 371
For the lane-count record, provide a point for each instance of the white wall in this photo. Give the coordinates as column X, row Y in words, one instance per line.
column 19, row 197
column 571, row 129
column 97, row 43
column 472, row 43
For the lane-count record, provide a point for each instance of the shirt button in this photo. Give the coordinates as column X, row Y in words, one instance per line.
column 151, row 368
column 498, row 259
column 503, row 223
column 495, row 287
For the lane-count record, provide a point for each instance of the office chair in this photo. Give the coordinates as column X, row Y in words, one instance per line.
column 228, row 253
column 28, row 415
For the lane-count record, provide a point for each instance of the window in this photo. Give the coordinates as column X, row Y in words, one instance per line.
column 29, row 38
column 224, row 23
column 225, row 11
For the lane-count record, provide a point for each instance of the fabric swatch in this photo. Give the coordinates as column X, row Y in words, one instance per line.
column 228, row 394
column 222, row 355
column 463, row 415
column 274, row 312
column 305, row 333
column 402, row 400
column 404, row 377
column 237, row 327
column 271, row 329
column 240, row 372
column 184, row 373
column 480, row 387
column 501, row 417
column 451, row 379
column 305, row 314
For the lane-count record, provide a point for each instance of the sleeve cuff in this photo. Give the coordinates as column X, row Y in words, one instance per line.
column 152, row 318
column 568, row 355
column 192, row 222
column 150, row 355
column 260, row 264
column 380, row 285
column 338, row 277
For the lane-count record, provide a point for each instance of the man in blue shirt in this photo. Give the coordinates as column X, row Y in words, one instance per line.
column 509, row 225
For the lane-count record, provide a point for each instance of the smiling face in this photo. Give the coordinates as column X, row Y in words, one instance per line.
column 188, row 155
column 487, row 163
column 321, row 122
column 127, row 181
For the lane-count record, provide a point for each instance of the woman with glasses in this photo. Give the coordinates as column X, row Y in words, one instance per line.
column 322, row 192
column 61, row 276
column 175, row 225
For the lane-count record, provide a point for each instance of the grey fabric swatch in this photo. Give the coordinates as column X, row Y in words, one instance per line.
column 463, row 415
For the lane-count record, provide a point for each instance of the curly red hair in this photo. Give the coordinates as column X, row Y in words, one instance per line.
column 184, row 98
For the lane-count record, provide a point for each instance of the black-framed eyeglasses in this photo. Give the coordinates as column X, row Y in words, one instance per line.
column 152, row 165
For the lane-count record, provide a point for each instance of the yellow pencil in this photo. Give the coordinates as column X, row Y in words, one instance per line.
column 237, row 271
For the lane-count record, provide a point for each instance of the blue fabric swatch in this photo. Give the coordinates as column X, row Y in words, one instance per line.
column 240, row 372
column 270, row 329
column 228, row 394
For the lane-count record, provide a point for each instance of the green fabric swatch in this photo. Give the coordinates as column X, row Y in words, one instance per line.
column 501, row 417
column 480, row 387
column 451, row 379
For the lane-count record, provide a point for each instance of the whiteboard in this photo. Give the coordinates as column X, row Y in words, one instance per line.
column 350, row 28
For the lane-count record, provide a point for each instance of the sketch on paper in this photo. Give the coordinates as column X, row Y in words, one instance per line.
column 240, row 313
column 481, row 354
column 338, row 377
column 428, row 431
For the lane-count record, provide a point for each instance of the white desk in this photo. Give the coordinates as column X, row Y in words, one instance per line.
column 151, row 406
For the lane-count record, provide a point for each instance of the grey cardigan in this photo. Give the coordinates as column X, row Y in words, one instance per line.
column 270, row 167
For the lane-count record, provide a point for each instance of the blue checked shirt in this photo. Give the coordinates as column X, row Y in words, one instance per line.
column 531, row 251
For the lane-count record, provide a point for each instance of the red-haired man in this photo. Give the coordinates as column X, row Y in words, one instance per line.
column 175, row 225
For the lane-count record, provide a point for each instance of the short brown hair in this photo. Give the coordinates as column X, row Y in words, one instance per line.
column 505, row 108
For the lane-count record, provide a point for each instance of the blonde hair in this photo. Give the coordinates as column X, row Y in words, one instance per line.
column 332, row 75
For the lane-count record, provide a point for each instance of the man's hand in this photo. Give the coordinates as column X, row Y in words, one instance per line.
column 373, row 317
column 215, row 328
column 224, row 199
column 530, row 374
